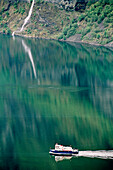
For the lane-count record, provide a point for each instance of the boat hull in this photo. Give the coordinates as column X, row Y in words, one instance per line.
column 67, row 153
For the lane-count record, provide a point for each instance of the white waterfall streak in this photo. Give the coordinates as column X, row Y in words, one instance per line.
column 28, row 50
column 26, row 19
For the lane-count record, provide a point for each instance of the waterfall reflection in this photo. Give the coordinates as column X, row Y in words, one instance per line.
column 28, row 50
column 27, row 67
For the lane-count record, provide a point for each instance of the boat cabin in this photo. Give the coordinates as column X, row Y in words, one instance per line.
column 63, row 148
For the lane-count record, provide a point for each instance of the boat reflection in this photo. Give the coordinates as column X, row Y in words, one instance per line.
column 61, row 158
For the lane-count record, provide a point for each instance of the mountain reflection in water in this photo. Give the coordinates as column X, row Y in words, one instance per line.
column 72, row 105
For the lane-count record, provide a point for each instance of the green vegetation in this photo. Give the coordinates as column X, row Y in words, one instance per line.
column 1, row 18
column 7, row 13
column 21, row 10
column 94, row 24
column 29, row 31
column 69, row 30
column 85, row 31
column 15, row 5
column 8, row 31
column 3, row 31
column 81, row 17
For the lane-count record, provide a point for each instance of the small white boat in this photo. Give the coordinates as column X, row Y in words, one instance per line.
column 63, row 150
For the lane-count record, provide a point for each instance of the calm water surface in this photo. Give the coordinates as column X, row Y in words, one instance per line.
column 52, row 92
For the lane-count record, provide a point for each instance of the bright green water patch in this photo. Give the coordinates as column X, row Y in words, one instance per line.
column 69, row 101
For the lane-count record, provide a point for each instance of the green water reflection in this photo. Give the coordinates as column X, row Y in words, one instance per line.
column 54, row 92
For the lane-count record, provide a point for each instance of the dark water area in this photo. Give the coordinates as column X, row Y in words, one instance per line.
column 52, row 92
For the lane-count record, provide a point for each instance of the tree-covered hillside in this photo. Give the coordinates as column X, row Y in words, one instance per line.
column 94, row 24
column 88, row 21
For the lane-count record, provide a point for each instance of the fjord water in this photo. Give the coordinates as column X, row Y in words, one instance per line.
column 52, row 92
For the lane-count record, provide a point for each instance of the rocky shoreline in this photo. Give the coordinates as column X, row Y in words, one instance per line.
column 69, row 40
